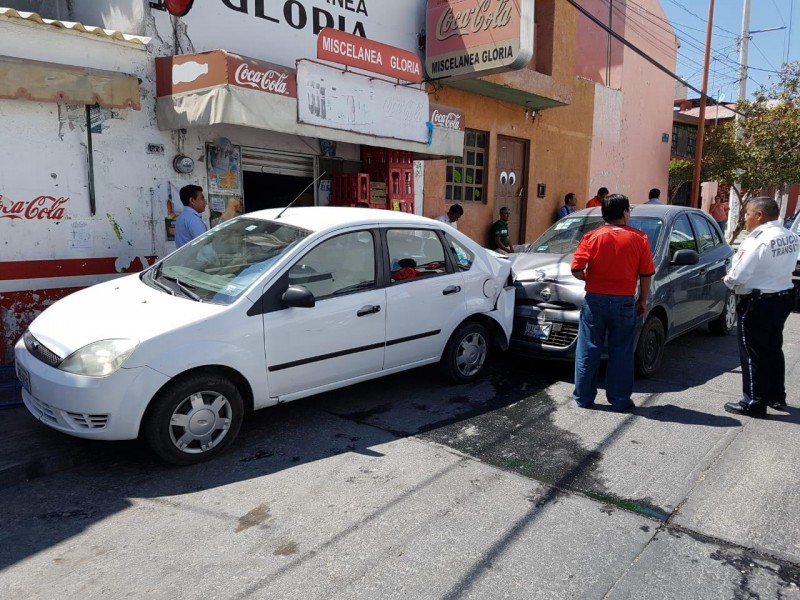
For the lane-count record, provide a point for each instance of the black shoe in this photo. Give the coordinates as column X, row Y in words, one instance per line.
column 738, row 409
column 779, row 405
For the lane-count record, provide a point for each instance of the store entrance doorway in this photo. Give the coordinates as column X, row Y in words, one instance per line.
column 267, row 190
column 273, row 179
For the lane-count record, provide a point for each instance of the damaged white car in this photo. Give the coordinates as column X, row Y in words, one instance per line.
column 265, row 308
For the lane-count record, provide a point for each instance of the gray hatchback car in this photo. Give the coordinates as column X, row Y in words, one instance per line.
column 690, row 255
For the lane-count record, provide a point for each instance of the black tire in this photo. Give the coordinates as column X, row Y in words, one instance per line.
column 466, row 354
column 725, row 322
column 650, row 349
column 209, row 403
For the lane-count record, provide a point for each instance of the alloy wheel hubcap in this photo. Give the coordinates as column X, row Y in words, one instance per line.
column 200, row 422
column 730, row 312
column 471, row 354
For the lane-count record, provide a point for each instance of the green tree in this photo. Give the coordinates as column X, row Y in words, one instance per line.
column 762, row 149
column 681, row 172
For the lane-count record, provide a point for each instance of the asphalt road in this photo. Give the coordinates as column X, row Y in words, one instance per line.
column 407, row 488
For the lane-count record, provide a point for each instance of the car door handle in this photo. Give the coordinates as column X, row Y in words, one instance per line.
column 368, row 310
column 451, row 289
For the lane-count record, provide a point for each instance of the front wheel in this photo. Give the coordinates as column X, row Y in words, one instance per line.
column 193, row 419
column 650, row 350
column 724, row 323
column 466, row 353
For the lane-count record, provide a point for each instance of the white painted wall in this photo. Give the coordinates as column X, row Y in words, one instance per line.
column 43, row 152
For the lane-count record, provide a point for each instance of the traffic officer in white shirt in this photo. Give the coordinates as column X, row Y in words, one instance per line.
column 761, row 278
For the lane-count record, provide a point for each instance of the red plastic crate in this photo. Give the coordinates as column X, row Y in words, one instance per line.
column 349, row 188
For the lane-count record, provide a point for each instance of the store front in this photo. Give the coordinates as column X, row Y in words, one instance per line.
column 251, row 114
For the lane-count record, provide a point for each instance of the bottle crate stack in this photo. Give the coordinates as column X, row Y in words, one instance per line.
column 350, row 188
column 394, row 169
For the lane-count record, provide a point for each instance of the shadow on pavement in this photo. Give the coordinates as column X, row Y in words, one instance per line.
column 111, row 476
column 669, row 413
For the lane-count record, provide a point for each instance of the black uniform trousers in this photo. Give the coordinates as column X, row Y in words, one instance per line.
column 760, row 332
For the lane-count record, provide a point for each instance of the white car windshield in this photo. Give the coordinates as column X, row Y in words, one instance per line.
column 221, row 264
column 563, row 237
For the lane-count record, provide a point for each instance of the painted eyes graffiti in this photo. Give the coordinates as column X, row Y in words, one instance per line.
column 508, row 178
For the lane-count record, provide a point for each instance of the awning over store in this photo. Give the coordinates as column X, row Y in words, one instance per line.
column 218, row 87
column 52, row 82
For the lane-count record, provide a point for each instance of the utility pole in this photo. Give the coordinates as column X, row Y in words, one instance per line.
column 733, row 197
column 701, row 125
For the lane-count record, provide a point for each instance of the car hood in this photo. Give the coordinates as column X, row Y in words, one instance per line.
column 123, row 308
column 546, row 280
column 542, row 267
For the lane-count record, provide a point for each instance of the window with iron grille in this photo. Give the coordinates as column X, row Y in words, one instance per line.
column 465, row 174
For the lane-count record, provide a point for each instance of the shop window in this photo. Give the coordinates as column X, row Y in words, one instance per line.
column 466, row 174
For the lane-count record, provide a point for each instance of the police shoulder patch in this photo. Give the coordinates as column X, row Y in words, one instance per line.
column 755, row 234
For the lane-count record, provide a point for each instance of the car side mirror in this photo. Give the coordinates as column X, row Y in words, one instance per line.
column 298, row 296
column 685, row 257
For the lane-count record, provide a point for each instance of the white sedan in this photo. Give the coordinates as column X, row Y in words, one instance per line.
column 265, row 308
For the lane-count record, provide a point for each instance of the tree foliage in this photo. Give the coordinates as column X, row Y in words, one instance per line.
column 762, row 149
column 681, row 172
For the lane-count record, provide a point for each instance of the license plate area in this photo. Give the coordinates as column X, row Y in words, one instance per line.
column 24, row 377
column 540, row 331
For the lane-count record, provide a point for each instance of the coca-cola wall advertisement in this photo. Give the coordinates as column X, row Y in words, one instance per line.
column 49, row 208
column 447, row 117
column 471, row 38
column 188, row 72
column 283, row 31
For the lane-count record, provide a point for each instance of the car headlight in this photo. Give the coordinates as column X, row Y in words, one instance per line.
column 99, row 359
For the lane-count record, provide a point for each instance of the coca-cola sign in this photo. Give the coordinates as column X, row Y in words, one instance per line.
column 447, row 117
column 267, row 80
column 191, row 72
column 471, row 38
column 483, row 17
column 262, row 76
column 40, row 208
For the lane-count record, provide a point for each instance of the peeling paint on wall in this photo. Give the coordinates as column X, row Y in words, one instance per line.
column 17, row 310
column 115, row 226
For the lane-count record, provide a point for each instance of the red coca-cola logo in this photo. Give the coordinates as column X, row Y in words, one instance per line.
column 42, row 207
column 271, row 80
column 451, row 120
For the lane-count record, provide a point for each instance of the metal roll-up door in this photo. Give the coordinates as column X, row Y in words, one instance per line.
column 277, row 162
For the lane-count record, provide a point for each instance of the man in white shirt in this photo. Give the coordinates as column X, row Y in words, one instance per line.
column 761, row 278
column 452, row 216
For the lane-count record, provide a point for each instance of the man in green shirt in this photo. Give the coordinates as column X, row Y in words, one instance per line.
column 499, row 233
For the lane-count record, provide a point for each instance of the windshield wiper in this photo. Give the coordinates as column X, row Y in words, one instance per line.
column 154, row 278
column 186, row 291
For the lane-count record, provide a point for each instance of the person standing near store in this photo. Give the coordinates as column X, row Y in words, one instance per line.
column 190, row 223
column 451, row 217
column 570, row 200
column 598, row 199
column 498, row 234
column 654, row 197
column 611, row 260
column 761, row 278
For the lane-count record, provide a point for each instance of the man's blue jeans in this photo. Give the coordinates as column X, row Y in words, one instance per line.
column 601, row 315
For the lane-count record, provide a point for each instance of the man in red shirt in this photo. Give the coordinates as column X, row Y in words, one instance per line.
column 611, row 260
column 598, row 200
